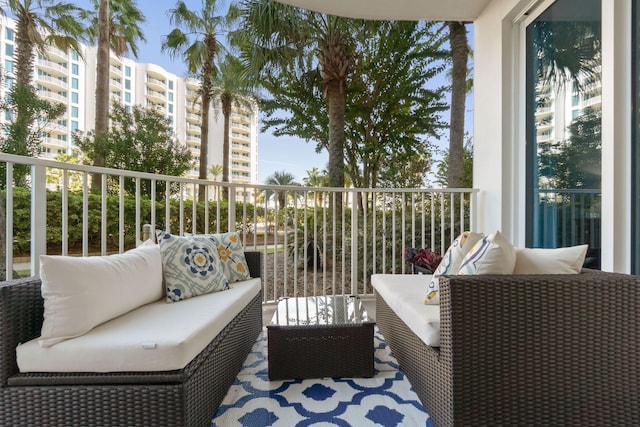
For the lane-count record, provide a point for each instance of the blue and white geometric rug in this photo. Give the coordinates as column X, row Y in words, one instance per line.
column 386, row 399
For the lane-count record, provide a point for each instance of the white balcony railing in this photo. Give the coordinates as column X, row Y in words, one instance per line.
column 315, row 241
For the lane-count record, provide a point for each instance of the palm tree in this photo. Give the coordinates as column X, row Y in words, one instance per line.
column 280, row 178
column 276, row 36
column 198, row 45
column 215, row 171
column 233, row 88
column 316, row 178
column 459, row 56
column 116, row 28
column 42, row 23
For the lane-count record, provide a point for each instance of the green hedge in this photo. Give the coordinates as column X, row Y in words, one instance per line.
column 22, row 219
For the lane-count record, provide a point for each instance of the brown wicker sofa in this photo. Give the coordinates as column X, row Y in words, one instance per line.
column 527, row 350
column 186, row 397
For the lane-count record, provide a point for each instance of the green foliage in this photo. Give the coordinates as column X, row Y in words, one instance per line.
column 22, row 219
column 441, row 174
column 21, row 136
column 390, row 108
column 139, row 140
column 125, row 19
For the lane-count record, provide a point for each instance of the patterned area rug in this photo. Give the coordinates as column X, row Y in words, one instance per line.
column 387, row 399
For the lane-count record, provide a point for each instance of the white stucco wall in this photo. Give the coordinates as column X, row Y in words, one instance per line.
column 494, row 172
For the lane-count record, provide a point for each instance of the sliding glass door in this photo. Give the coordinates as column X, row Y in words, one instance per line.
column 563, row 127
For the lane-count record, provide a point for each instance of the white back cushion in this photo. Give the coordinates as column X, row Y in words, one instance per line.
column 550, row 261
column 82, row 292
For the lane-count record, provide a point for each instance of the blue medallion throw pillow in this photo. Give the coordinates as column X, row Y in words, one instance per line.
column 231, row 253
column 190, row 267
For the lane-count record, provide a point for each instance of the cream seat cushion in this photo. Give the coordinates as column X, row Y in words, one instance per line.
column 155, row 337
column 403, row 293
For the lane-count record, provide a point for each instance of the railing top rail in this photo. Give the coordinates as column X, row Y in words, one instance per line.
column 159, row 177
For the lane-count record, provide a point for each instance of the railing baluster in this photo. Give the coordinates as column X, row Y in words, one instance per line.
column 85, row 214
column 433, row 223
column 365, row 247
column 8, row 244
column 103, row 216
column 194, row 209
column 38, row 216
column 153, row 210
column 384, row 232
column 121, row 215
column 181, row 209
column 374, row 233
column 65, row 212
column 452, row 222
column 354, row 243
column 138, row 198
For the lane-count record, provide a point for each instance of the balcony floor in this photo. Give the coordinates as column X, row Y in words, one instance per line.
column 384, row 399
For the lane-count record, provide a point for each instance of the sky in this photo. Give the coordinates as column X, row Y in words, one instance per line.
column 289, row 154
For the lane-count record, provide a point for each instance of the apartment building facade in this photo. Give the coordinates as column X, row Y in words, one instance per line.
column 70, row 79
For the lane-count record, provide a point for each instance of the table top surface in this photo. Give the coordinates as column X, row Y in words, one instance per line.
column 319, row 311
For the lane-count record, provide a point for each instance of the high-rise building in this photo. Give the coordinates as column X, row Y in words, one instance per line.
column 70, row 78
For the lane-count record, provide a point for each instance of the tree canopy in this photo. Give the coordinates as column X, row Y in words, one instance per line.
column 392, row 106
column 138, row 140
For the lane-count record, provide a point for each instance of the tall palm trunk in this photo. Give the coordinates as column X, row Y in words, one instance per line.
column 336, row 104
column 334, row 64
column 225, row 100
column 102, row 90
column 459, row 54
column 24, row 50
column 208, row 71
column 24, row 73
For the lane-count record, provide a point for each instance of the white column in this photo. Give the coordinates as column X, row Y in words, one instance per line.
column 616, row 135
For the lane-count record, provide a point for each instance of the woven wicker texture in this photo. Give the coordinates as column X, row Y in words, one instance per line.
column 530, row 350
column 188, row 397
column 320, row 351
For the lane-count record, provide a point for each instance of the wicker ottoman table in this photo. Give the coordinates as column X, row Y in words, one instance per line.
column 320, row 337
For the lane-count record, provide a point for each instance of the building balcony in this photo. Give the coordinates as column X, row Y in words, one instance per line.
column 242, row 148
column 156, row 84
column 52, row 67
column 55, row 54
column 115, row 71
column 155, row 96
column 193, row 117
column 52, row 82
column 54, row 142
column 192, row 94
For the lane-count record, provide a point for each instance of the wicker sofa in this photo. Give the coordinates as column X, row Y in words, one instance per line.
column 186, row 397
column 527, row 350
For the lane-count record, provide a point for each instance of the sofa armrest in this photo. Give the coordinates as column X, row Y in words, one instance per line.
column 21, row 316
column 254, row 262
column 529, row 345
